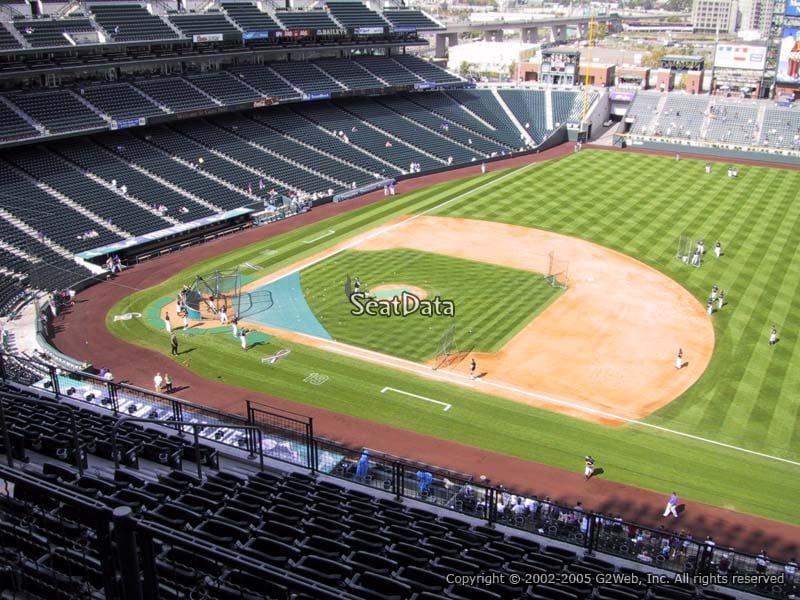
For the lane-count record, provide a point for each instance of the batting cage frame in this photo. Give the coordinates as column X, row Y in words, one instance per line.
column 557, row 271
column 213, row 291
column 446, row 348
column 686, row 252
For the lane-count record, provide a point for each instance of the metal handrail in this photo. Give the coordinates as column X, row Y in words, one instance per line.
column 195, row 431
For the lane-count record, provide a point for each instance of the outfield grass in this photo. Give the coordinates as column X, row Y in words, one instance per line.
column 482, row 323
column 638, row 205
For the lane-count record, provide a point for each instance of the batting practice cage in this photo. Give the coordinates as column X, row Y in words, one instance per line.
column 557, row 271
column 446, row 349
column 212, row 292
column 686, row 252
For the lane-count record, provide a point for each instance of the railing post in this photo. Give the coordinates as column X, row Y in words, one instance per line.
column 2, row 361
column 398, row 476
column 312, row 454
column 591, row 533
column 6, row 437
column 54, row 380
column 76, row 445
column 196, row 432
column 491, row 506
column 124, row 530
column 148, row 566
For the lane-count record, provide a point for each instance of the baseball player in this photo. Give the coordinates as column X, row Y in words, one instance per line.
column 718, row 249
column 714, row 292
column 588, row 471
column 672, row 505
column 679, row 360
column 721, row 300
column 472, row 366
column 773, row 336
column 696, row 258
column 167, row 323
column 710, row 307
column 708, row 167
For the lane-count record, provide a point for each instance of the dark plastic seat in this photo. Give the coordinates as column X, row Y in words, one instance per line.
column 221, row 532
column 466, row 592
column 237, row 517
column 63, row 472
column 325, row 527
column 287, row 514
column 552, row 592
column 441, row 546
column 448, row 564
column 468, row 539
column 421, row 580
column 379, row 587
column 280, row 531
column 486, row 560
column 271, row 550
column 398, row 533
column 505, row 549
column 365, row 540
column 175, row 516
column 365, row 523
column 318, row 568
column 322, row 546
column 264, row 587
column 367, row 561
column 407, row 554
column 568, row 556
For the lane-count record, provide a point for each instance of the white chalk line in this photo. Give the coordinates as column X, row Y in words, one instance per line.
column 319, row 237
column 395, row 363
column 425, row 398
column 391, row 361
column 416, row 368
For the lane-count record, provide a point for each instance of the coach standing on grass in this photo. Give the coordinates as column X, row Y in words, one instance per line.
column 173, row 340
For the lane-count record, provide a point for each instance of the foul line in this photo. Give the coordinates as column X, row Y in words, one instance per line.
column 319, row 237
column 416, row 368
column 398, row 363
column 391, row 389
column 390, row 361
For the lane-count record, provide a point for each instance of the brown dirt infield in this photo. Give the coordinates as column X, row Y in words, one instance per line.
column 81, row 333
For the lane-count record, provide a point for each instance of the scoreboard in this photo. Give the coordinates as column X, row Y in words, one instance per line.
column 560, row 66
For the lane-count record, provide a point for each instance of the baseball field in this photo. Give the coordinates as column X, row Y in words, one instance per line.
column 562, row 372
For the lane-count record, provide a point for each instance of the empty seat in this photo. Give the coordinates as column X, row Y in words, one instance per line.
column 379, row 586
column 370, row 562
column 271, row 550
column 317, row 568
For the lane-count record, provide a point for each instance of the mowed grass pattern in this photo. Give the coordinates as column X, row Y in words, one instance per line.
column 639, row 205
column 486, row 315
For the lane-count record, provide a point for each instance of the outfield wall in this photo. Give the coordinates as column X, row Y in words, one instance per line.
column 733, row 153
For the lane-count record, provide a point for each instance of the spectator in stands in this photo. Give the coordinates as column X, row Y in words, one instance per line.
column 362, row 468
column 425, row 480
column 790, row 570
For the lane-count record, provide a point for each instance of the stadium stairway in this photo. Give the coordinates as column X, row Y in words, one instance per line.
column 390, row 124
column 258, row 129
column 181, row 173
column 230, row 172
column 260, row 160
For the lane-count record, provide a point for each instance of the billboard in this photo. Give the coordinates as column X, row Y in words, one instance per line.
column 789, row 56
column 793, row 8
column 739, row 56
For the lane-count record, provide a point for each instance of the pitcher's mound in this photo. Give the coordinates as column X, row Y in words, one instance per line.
column 391, row 292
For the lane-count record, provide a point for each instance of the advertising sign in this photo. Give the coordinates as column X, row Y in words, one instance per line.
column 789, row 56
column 738, row 56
